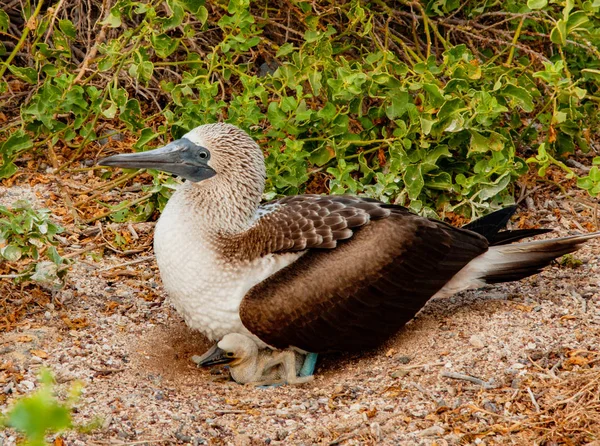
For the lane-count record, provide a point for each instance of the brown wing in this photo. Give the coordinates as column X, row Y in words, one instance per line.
column 357, row 295
column 301, row 222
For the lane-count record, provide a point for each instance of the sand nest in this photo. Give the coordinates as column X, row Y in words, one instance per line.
column 509, row 364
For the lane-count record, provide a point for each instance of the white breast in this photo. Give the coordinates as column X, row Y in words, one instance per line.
column 206, row 290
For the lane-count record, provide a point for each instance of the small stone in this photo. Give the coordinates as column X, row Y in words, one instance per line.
column 399, row 373
column 431, row 431
column 403, row 359
column 28, row 385
column 47, row 315
column 476, row 342
column 375, row 429
column 9, row 388
column 242, row 440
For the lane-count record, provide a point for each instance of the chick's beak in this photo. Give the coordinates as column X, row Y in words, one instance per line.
column 213, row 356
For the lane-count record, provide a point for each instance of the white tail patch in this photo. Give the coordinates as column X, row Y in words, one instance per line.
column 505, row 263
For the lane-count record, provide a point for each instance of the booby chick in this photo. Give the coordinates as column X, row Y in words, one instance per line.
column 249, row 365
column 318, row 273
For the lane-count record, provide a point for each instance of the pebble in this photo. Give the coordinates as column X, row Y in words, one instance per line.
column 9, row 388
column 431, row 431
column 476, row 342
column 403, row 359
column 375, row 429
column 28, row 385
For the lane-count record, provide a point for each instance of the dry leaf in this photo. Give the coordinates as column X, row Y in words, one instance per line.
column 39, row 353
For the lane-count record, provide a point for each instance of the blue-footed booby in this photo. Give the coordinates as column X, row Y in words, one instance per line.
column 317, row 273
column 249, row 365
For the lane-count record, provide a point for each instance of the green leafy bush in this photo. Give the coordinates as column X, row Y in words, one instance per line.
column 437, row 105
column 40, row 413
column 26, row 233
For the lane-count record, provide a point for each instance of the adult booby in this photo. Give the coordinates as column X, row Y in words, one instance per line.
column 319, row 273
column 249, row 365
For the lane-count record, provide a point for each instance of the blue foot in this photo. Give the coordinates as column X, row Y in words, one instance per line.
column 308, row 368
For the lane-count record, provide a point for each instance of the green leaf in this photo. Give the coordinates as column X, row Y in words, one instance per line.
column 39, row 414
column 492, row 190
column 7, row 170
column 558, row 35
column 4, row 21
column 518, row 96
column 148, row 134
column 16, row 143
column 537, row 4
column 163, row 44
column 322, row 155
column 114, row 18
column 193, row 6
column 481, row 144
column 26, row 74
column 285, row 49
column 12, row 253
column 67, row 27
column 53, row 255
column 398, row 104
column 413, row 179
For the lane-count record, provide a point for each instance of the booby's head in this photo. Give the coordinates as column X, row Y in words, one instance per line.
column 208, row 151
column 233, row 349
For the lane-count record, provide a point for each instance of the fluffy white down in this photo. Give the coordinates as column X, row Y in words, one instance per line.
column 203, row 288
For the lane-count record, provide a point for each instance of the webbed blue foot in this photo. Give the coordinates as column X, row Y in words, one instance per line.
column 310, row 362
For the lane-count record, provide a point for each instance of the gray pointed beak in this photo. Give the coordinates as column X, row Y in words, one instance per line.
column 213, row 356
column 181, row 157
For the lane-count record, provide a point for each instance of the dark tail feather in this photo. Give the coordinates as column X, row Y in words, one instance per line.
column 491, row 225
column 506, row 263
column 506, row 237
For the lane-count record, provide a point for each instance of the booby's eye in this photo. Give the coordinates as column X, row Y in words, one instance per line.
column 203, row 155
column 229, row 354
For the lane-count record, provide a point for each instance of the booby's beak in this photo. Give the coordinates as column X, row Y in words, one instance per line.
column 214, row 356
column 181, row 157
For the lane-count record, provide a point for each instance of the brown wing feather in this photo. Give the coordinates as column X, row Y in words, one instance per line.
column 357, row 295
column 301, row 222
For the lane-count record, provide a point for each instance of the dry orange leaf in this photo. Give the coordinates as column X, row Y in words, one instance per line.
column 25, row 338
column 577, row 360
column 525, row 308
column 39, row 353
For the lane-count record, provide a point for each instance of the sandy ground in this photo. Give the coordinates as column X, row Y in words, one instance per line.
column 531, row 347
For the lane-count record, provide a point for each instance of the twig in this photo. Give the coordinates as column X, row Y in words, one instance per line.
column 83, row 251
column 532, row 396
column 54, row 14
column 93, row 51
column 472, row 379
column 132, row 262
column 106, row 371
column 511, row 52
column 130, row 443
